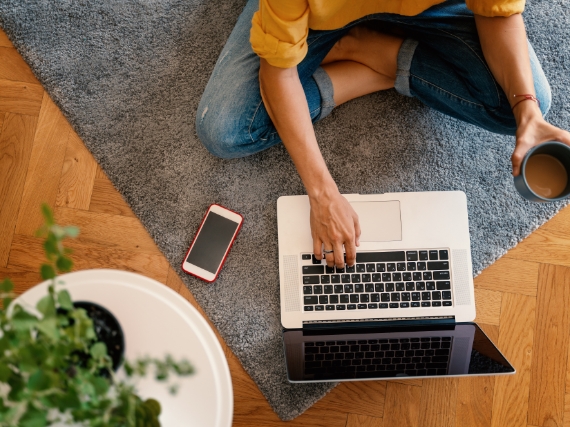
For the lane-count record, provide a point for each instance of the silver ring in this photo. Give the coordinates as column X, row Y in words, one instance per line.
column 328, row 252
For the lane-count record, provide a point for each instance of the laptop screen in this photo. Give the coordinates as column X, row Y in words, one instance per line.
column 337, row 354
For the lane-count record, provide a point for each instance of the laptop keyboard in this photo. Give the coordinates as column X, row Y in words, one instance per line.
column 379, row 280
column 411, row 356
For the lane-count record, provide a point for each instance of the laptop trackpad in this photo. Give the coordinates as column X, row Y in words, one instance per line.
column 379, row 221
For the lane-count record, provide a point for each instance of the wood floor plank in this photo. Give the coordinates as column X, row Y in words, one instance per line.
column 549, row 354
column 355, row 420
column 438, row 402
column 45, row 166
column 4, row 40
column 402, row 405
column 27, row 253
column 545, row 245
column 13, row 67
column 77, row 175
column 16, row 140
column 560, row 222
column 362, row 397
column 108, row 231
column 516, row 333
column 488, row 306
column 20, row 98
column 106, row 199
column 509, row 275
column 475, row 401
column 492, row 331
column 22, row 279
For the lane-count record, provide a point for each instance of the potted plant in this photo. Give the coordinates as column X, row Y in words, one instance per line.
column 59, row 358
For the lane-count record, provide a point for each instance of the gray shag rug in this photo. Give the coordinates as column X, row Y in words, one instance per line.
column 128, row 74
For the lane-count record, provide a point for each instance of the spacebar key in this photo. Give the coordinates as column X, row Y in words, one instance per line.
column 380, row 256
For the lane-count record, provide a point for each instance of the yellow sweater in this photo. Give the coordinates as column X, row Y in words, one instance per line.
column 280, row 27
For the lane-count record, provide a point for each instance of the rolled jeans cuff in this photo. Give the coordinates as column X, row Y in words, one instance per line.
column 325, row 86
column 405, row 56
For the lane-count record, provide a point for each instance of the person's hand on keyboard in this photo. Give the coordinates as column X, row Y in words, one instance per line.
column 334, row 224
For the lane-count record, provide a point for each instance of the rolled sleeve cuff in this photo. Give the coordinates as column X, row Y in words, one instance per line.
column 492, row 8
column 278, row 53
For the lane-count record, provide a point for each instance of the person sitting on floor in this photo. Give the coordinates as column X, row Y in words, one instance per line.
column 287, row 64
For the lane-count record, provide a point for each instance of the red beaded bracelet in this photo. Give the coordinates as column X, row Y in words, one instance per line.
column 527, row 97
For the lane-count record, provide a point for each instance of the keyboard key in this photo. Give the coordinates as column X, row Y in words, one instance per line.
column 410, row 286
column 400, row 286
column 310, row 280
column 411, row 266
column 379, row 287
column 324, row 299
column 366, row 278
column 404, row 305
column 411, row 256
column 415, row 304
column 344, row 299
column 373, row 306
column 310, row 300
column 308, row 308
column 415, row 296
column 364, row 298
column 426, row 275
column 407, row 277
column 380, row 256
column 369, row 287
column 426, row 296
column 338, row 289
column 390, row 266
column 306, row 256
column 423, row 255
column 318, row 289
column 383, row 305
column 386, row 277
column 370, row 268
column 375, row 297
column 430, row 286
column 350, row 269
column 335, row 278
column 340, row 307
column 348, row 289
column 380, row 267
column 354, row 298
column 426, row 304
column 307, row 290
column 417, row 276
column 359, row 287
column 394, row 305
column 377, row 277
column 333, row 299
column 440, row 265
column 446, row 294
column 319, row 308
column 436, row 304
column 443, row 286
column 328, row 289
column 422, row 266
column 329, row 270
column 315, row 261
column 401, row 266
column 345, row 278
column 443, row 254
column 441, row 275
column 325, row 279
column 385, row 297
column 360, row 268
column 396, row 277
column 395, row 296
column 389, row 287
column 447, row 303
column 362, row 306
column 405, row 296
column 329, row 307
column 339, row 270
column 420, row 286
column 351, row 306
column 435, row 295
column 433, row 255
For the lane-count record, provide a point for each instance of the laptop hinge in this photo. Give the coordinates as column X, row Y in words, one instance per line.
column 371, row 323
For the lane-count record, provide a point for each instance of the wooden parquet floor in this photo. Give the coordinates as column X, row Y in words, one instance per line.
column 523, row 300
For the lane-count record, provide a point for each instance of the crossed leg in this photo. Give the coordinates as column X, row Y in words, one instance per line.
column 362, row 62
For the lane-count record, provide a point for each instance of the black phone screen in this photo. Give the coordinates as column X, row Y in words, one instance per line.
column 212, row 242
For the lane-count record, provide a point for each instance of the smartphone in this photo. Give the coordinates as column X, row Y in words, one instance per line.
column 212, row 243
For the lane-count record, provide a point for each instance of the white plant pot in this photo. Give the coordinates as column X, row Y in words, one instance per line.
column 156, row 321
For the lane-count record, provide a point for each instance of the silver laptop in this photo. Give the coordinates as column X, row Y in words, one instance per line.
column 403, row 310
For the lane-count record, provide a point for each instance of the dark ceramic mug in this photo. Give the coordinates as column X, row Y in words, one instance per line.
column 556, row 149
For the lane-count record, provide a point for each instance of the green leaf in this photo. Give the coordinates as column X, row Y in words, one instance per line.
column 6, row 285
column 98, row 350
column 50, row 245
column 64, row 300
column 71, row 231
column 34, row 418
column 46, row 306
column 48, row 326
column 100, row 384
column 22, row 320
column 5, row 372
column 39, row 381
column 64, row 264
column 6, row 302
column 47, row 272
column 153, row 406
column 48, row 214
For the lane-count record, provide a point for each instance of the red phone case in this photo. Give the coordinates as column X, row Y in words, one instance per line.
column 227, row 252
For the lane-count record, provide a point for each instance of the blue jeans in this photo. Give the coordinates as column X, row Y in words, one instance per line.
column 440, row 62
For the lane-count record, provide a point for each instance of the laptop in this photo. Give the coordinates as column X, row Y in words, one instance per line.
column 405, row 309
